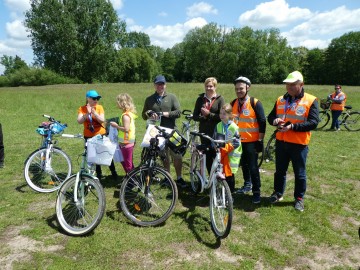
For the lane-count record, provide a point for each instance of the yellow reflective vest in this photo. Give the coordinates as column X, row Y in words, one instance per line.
column 129, row 136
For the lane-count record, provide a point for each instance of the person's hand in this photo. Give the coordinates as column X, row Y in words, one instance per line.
column 205, row 112
column 278, row 121
column 259, row 146
column 236, row 142
column 88, row 107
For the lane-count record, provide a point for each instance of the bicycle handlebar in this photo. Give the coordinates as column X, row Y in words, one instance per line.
column 211, row 139
column 52, row 119
column 188, row 114
column 79, row 136
column 163, row 133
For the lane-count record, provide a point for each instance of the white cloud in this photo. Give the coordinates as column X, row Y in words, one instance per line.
column 18, row 6
column 322, row 27
column 16, row 30
column 117, row 4
column 163, row 14
column 199, row 9
column 276, row 13
column 166, row 36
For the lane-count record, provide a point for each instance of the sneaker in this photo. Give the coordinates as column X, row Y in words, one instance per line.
column 244, row 190
column 276, row 197
column 256, row 198
column 299, row 204
column 181, row 183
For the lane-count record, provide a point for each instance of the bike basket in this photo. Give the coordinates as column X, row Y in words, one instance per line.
column 325, row 104
column 42, row 131
column 57, row 128
column 177, row 142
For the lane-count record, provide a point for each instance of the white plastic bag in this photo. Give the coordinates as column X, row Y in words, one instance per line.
column 100, row 150
column 151, row 132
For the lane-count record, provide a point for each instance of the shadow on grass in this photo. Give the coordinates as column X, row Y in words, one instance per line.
column 191, row 201
column 20, row 188
column 53, row 223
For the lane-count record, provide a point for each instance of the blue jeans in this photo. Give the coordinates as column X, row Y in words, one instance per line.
column 249, row 166
column 335, row 116
column 296, row 153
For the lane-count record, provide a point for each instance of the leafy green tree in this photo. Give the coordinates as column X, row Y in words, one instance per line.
column 313, row 68
column 342, row 60
column 12, row 64
column 75, row 38
column 136, row 40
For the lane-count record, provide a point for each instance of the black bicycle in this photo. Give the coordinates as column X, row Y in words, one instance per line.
column 148, row 194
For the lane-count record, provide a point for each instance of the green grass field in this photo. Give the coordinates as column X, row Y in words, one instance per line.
column 324, row 236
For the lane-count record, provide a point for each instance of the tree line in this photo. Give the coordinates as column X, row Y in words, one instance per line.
column 85, row 41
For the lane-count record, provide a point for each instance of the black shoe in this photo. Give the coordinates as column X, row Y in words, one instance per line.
column 181, row 183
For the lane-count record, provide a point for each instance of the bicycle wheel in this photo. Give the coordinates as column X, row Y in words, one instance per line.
column 352, row 121
column 84, row 215
column 324, row 117
column 221, row 208
column 45, row 176
column 148, row 205
column 270, row 149
column 195, row 167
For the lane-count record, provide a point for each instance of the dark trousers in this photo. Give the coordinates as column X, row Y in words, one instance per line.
column 335, row 119
column 296, row 153
column 249, row 166
column 2, row 154
column 231, row 182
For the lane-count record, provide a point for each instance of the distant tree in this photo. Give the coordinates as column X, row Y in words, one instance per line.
column 342, row 60
column 75, row 38
column 136, row 40
column 12, row 64
column 313, row 68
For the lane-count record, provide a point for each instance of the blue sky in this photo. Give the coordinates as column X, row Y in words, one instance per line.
column 309, row 23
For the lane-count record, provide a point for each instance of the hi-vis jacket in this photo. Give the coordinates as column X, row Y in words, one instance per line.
column 230, row 157
column 296, row 112
column 245, row 118
column 129, row 136
column 338, row 106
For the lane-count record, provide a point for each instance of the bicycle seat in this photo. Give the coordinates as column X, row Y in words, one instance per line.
column 348, row 107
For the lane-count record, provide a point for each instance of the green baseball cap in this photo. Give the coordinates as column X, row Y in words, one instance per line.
column 294, row 77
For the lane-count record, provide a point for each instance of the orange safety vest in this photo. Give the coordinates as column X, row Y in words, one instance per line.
column 297, row 112
column 245, row 118
column 338, row 106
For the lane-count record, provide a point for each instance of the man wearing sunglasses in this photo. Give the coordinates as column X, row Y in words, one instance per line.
column 92, row 116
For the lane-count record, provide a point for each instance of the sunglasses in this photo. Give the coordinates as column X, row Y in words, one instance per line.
column 95, row 98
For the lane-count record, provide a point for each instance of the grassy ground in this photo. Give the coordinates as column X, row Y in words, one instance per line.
column 324, row 236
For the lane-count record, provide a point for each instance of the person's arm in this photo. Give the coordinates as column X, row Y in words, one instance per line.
column 272, row 116
column 197, row 110
column 98, row 115
column 126, row 123
column 145, row 109
column 175, row 111
column 261, row 119
column 82, row 116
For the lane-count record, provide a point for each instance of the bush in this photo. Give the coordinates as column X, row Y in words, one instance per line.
column 4, row 81
column 38, row 77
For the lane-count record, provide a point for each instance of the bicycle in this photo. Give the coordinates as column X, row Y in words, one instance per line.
column 48, row 166
column 221, row 204
column 80, row 203
column 350, row 119
column 269, row 152
column 148, row 194
column 189, row 125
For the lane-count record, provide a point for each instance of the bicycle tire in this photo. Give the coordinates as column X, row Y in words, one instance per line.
column 148, row 208
column 269, row 154
column 83, row 217
column 352, row 121
column 49, row 179
column 196, row 184
column 221, row 208
column 324, row 117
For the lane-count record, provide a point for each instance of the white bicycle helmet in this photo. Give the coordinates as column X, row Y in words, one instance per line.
column 242, row 79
